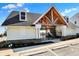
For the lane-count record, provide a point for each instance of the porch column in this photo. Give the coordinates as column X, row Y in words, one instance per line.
column 38, row 26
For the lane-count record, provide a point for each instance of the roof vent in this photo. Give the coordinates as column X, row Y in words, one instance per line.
column 23, row 15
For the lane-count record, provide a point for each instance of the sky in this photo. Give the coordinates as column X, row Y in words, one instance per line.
column 65, row 9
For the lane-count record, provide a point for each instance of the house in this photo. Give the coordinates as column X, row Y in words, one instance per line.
column 19, row 25
column 22, row 25
column 75, row 20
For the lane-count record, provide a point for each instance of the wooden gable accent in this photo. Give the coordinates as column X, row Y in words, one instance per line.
column 51, row 18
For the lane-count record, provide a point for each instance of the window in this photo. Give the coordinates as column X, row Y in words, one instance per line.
column 67, row 19
column 23, row 15
column 75, row 22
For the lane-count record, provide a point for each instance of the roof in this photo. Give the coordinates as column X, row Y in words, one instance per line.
column 72, row 25
column 75, row 18
column 13, row 19
column 32, row 18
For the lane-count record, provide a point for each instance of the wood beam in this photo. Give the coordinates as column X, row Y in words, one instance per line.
column 45, row 20
column 47, row 24
column 52, row 16
column 48, row 19
column 58, row 15
column 55, row 20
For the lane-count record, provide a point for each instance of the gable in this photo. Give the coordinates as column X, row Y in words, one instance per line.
column 51, row 18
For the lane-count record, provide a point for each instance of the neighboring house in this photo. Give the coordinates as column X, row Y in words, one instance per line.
column 26, row 25
column 71, row 29
column 75, row 20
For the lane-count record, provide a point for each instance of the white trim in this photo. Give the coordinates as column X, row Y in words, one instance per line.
column 37, row 27
column 25, row 15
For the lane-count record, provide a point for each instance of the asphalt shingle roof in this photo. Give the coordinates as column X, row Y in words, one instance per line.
column 13, row 19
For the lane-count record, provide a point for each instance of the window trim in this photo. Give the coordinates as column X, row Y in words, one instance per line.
column 25, row 16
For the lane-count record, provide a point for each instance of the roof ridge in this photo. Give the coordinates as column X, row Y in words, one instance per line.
column 27, row 12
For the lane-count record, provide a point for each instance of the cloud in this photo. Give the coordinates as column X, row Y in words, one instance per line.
column 67, row 11
column 13, row 6
column 9, row 6
column 63, row 14
column 10, row 10
column 19, row 4
column 26, row 9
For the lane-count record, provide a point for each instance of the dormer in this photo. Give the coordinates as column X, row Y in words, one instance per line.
column 23, row 15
